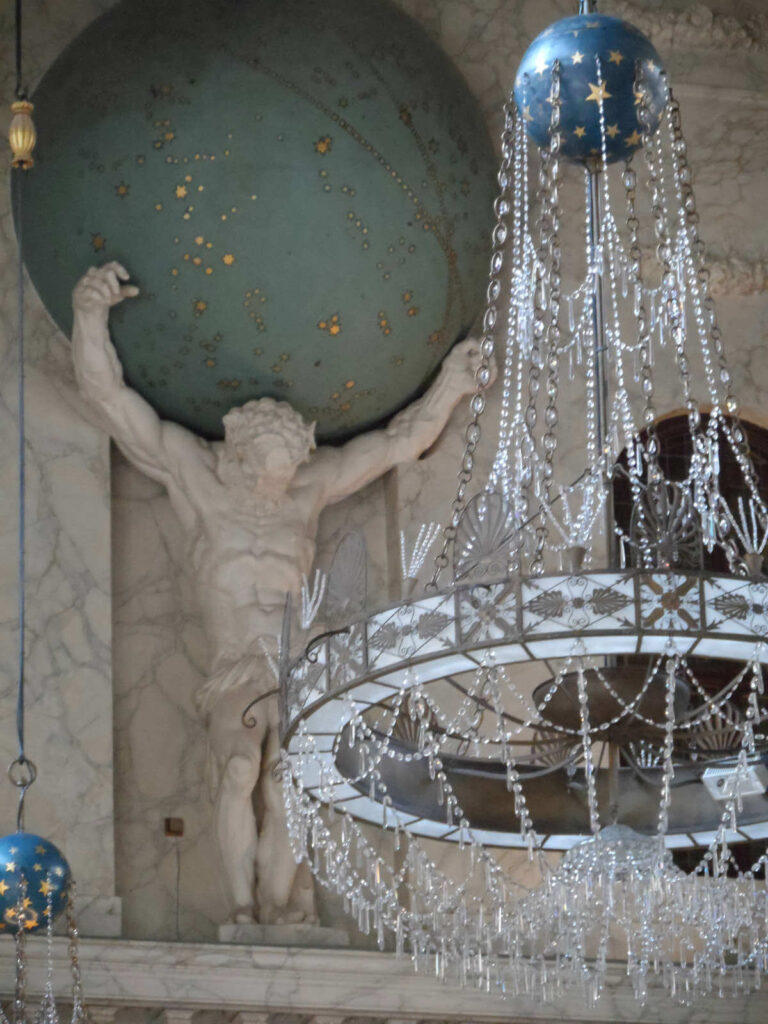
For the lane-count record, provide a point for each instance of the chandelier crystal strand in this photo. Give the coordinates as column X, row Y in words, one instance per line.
column 548, row 321
column 48, row 1013
column 500, row 473
column 20, row 943
column 483, row 373
column 586, row 739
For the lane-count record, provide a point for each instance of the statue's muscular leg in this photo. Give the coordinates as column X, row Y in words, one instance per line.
column 238, row 754
column 285, row 889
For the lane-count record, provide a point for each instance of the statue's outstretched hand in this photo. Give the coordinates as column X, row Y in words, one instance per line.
column 101, row 288
column 461, row 365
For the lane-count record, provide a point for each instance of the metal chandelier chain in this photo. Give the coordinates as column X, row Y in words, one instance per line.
column 483, row 373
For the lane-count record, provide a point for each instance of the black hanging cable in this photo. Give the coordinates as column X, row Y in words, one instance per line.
column 22, row 473
column 19, row 90
column 22, row 771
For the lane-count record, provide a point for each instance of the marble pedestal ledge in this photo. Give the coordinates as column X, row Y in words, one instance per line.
column 305, row 936
column 270, row 982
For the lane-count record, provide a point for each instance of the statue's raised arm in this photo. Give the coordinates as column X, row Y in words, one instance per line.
column 342, row 471
column 152, row 444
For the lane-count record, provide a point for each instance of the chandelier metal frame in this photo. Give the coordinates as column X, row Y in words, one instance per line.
column 517, row 620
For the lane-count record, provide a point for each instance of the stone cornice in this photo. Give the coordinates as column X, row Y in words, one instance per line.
column 737, row 275
column 328, row 983
column 697, row 27
column 731, row 275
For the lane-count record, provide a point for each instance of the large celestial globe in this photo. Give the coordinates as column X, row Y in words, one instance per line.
column 301, row 189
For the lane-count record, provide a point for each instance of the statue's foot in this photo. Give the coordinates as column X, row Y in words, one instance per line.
column 243, row 915
column 296, row 917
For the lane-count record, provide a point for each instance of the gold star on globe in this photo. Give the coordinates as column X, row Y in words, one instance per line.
column 3, row 888
column 580, row 131
column 615, row 57
column 181, row 191
column 633, row 139
column 612, row 131
column 527, row 113
column 653, row 68
column 37, row 867
column 30, row 922
column 45, row 887
column 10, row 866
column 598, row 93
column 40, row 849
column 577, row 57
column 58, row 871
column 542, row 66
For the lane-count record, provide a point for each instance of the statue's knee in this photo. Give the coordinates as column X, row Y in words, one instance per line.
column 241, row 772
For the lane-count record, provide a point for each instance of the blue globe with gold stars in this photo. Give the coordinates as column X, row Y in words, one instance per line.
column 301, row 189
column 33, row 873
column 600, row 58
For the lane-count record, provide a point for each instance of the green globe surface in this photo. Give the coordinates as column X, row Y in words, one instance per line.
column 302, row 190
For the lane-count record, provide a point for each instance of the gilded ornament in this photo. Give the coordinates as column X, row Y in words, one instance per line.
column 22, row 135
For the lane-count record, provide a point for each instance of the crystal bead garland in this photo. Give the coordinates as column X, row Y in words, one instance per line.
column 568, row 630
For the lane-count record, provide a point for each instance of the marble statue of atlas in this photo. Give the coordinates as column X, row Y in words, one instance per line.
column 249, row 508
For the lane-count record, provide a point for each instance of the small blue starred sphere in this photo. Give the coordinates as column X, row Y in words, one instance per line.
column 27, row 858
column 599, row 57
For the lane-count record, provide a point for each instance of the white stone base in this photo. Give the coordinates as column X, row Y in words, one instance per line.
column 306, row 936
column 329, row 983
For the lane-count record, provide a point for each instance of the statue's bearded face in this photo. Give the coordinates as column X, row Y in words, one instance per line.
column 264, row 444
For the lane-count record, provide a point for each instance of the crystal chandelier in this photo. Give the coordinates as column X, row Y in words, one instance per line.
column 591, row 678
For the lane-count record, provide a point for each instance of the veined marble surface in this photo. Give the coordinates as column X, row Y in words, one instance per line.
column 340, row 983
column 69, row 661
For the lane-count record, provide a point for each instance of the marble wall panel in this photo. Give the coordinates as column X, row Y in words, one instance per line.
column 68, row 668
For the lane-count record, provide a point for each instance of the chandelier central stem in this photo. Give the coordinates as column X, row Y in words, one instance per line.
column 600, row 353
